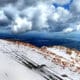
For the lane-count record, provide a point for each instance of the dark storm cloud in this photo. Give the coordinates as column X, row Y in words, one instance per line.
column 26, row 15
column 5, row 2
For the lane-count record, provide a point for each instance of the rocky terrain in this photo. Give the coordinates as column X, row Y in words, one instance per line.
column 53, row 63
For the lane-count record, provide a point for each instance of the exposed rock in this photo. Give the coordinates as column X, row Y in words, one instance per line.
column 61, row 60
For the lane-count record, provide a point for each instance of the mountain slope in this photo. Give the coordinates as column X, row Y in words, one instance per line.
column 46, row 61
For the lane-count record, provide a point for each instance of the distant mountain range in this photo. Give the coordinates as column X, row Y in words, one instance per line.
column 71, row 40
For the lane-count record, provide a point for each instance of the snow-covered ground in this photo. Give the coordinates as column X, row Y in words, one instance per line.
column 13, row 54
column 12, row 70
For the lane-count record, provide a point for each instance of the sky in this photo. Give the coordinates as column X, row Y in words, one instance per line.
column 20, row 16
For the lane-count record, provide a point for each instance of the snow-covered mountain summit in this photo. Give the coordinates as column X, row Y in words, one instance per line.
column 25, row 61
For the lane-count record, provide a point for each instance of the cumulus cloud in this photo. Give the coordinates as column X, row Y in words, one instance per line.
column 75, row 6
column 10, row 11
column 68, row 30
column 27, row 15
column 75, row 27
column 2, row 16
column 62, row 2
column 3, row 19
column 21, row 25
column 61, row 15
column 74, row 21
column 4, row 2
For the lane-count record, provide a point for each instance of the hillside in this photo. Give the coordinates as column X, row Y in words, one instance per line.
column 56, row 62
